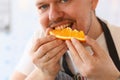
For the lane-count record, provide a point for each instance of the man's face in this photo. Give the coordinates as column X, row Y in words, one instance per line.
column 76, row 14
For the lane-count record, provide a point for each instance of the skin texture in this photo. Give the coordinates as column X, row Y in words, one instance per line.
column 47, row 51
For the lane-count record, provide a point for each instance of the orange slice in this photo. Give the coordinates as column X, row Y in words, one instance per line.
column 68, row 33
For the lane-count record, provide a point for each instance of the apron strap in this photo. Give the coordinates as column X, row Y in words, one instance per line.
column 65, row 66
column 110, row 44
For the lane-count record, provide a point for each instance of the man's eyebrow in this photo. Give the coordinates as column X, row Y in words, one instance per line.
column 39, row 3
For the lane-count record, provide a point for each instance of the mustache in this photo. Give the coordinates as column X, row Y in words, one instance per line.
column 60, row 20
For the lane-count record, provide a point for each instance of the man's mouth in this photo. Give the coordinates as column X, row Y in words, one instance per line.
column 59, row 27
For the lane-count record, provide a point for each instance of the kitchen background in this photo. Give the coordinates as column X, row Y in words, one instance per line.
column 18, row 21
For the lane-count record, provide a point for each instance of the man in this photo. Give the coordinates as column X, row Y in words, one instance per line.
column 90, row 60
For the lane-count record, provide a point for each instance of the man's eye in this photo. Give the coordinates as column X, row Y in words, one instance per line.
column 64, row 1
column 43, row 7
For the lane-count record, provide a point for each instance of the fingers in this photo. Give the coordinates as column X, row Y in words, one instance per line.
column 52, row 53
column 53, row 64
column 94, row 45
column 45, row 62
column 58, row 56
column 40, row 41
column 50, row 56
column 83, row 53
column 44, row 49
column 75, row 56
column 47, row 31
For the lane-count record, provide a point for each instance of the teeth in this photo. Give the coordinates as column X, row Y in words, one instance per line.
column 62, row 26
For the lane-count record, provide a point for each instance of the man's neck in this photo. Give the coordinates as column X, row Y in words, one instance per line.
column 96, row 29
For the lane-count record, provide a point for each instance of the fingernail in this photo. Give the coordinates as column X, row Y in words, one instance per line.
column 73, row 40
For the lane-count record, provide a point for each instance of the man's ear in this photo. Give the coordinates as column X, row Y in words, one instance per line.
column 94, row 4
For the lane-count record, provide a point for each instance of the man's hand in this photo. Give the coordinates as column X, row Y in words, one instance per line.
column 96, row 66
column 46, row 53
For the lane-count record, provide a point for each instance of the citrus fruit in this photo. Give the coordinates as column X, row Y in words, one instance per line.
column 68, row 33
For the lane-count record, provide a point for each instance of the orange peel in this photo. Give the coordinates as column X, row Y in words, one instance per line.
column 68, row 33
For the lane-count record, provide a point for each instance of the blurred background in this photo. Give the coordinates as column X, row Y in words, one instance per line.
column 18, row 21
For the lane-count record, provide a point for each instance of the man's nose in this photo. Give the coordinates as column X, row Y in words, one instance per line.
column 55, row 13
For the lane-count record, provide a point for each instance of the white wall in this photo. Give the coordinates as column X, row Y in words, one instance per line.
column 24, row 21
column 109, row 10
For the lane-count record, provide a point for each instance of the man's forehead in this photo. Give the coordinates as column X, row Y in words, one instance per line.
column 45, row 0
column 38, row 2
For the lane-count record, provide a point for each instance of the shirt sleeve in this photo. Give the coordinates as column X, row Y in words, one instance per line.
column 25, row 64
